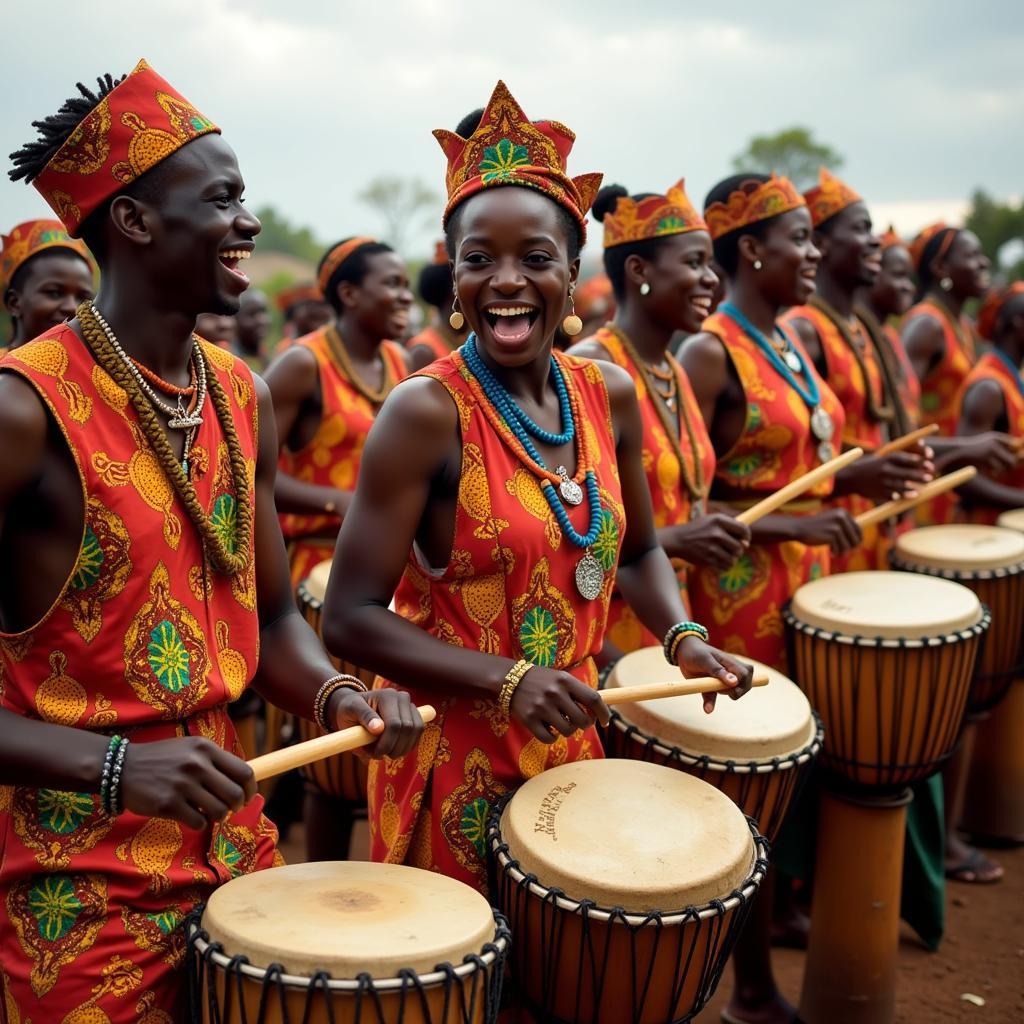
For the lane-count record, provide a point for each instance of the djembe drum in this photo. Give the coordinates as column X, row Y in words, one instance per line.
column 626, row 885
column 886, row 659
column 351, row 943
column 756, row 750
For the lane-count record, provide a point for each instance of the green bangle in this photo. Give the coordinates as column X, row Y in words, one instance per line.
column 108, row 767
column 676, row 634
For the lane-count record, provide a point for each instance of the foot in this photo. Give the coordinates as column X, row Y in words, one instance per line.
column 971, row 865
column 768, row 1011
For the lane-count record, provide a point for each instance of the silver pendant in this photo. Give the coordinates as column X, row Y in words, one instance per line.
column 696, row 509
column 589, row 577
column 821, row 424
column 825, row 451
column 184, row 421
column 793, row 360
column 572, row 493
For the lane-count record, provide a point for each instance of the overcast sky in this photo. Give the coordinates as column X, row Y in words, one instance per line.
column 925, row 98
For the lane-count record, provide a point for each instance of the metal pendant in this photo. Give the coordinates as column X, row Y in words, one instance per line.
column 825, row 451
column 793, row 360
column 589, row 577
column 821, row 424
column 571, row 492
column 185, row 421
column 697, row 509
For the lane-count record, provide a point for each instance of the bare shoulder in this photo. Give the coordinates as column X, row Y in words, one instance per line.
column 293, row 369
column 589, row 348
column 805, row 330
column 24, row 432
column 419, row 413
column 922, row 330
column 704, row 348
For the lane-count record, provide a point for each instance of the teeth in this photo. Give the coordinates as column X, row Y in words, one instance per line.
column 510, row 311
column 235, row 254
column 704, row 302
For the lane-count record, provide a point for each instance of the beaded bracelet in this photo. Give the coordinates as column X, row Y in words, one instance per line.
column 341, row 681
column 513, row 678
column 108, row 765
column 677, row 634
column 113, row 805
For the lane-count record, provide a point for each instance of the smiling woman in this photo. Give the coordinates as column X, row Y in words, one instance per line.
column 510, row 473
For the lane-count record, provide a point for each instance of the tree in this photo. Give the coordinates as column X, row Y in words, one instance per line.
column 403, row 204
column 1000, row 229
column 792, row 152
column 278, row 235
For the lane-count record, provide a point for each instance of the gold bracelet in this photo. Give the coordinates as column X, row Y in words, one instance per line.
column 341, row 681
column 512, row 680
column 679, row 638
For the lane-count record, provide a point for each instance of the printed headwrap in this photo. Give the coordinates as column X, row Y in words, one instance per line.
column 829, row 197
column 509, row 149
column 988, row 315
column 655, row 216
column 288, row 297
column 33, row 237
column 140, row 123
column 440, row 253
column 751, row 202
column 888, row 239
column 925, row 236
column 336, row 257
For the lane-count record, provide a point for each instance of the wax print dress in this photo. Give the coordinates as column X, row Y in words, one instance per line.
column 433, row 339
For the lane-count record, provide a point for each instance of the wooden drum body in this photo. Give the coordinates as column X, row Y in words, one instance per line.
column 343, row 776
column 886, row 659
column 990, row 561
column 756, row 750
column 626, row 885
column 351, row 943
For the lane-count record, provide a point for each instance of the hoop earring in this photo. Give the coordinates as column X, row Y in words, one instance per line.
column 572, row 324
column 758, row 264
column 457, row 320
column 645, row 289
column 946, row 283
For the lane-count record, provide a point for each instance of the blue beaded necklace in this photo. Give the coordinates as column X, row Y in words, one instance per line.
column 1013, row 370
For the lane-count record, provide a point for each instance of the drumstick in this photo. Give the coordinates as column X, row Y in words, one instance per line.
column 319, row 747
column 792, row 490
column 673, row 688
column 936, row 487
column 899, row 444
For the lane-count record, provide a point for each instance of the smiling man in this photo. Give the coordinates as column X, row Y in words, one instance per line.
column 144, row 570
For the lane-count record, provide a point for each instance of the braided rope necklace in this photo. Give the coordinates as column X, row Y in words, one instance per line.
column 344, row 360
column 224, row 559
column 892, row 371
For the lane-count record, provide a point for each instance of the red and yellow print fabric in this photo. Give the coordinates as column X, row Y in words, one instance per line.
column 146, row 639
column 847, row 381
column 908, row 386
column 433, row 339
column 669, row 497
column 31, row 238
column 331, row 459
column 742, row 605
column 509, row 589
column 991, row 367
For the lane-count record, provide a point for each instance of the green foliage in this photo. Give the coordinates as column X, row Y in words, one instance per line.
column 278, row 235
column 403, row 204
column 997, row 224
column 792, row 152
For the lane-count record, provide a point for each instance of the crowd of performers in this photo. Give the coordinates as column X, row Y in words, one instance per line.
column 551, row 479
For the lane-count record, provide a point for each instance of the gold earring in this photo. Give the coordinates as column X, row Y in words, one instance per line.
column 572, row 324
column 457, row 320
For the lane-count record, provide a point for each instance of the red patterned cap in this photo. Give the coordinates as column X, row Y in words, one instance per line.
column 656, row 216
column 509, row 149
column 138, row 124
column 288, row 297
column 829, row 197
column 993, row 305
column 753, row 201
column 32, row 237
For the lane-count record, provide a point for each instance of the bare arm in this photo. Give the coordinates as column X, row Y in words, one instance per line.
column 983, row 409
column 924, row 341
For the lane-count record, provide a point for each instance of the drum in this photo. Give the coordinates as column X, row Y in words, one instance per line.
column 352, row 942
column 1012, row 520
column 755, row 750
column 343, row 776
column 886, row 659
column 626, row 885
column 989, row 560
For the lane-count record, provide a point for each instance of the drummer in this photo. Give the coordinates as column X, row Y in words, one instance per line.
column 142, row 574
column 656, row 253
column 510, row 474
column 328, row 387
column 857, row 364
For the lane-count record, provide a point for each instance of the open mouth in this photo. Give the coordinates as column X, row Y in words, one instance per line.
column 701, row 304
column 511, row 324
column 230, row 258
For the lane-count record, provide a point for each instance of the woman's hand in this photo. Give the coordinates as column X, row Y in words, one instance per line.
column 387, row 713
column 890, row 477
column 189, row 779
column 716, row 540
column 552, row 703
column 696, row 658
column 834, row 527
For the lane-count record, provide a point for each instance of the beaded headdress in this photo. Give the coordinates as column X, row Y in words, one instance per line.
column 140, row 123
column 656, row 216
column 925, row 236
column 336, row 257
column 288, row 297
column 32, row 237
column 751, row 202
column 993, row 305
column 829, row 197
column 509, row 149
column 889, row 238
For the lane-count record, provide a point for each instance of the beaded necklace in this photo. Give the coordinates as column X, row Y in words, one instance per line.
column 966, row 339
column 229, row 555
column 344, row 360
column 696, row 487
column 821, row 423
column 515, row 428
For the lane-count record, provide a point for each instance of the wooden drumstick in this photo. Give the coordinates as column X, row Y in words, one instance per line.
column 797, row 487
column 928, row 491
column 674, row 688
column 319, row 747
column 899, row 444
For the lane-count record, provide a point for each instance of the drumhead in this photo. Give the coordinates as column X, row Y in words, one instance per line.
column 347, row 918
column 1012, row 520
column 628, row 834
column 889, row 605
column 316, row 583
column 769, row 721
column 965, row 547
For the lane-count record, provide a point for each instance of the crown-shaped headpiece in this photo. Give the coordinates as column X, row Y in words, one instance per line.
column 753, row 201
column 634, row 220
column 829, row 197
